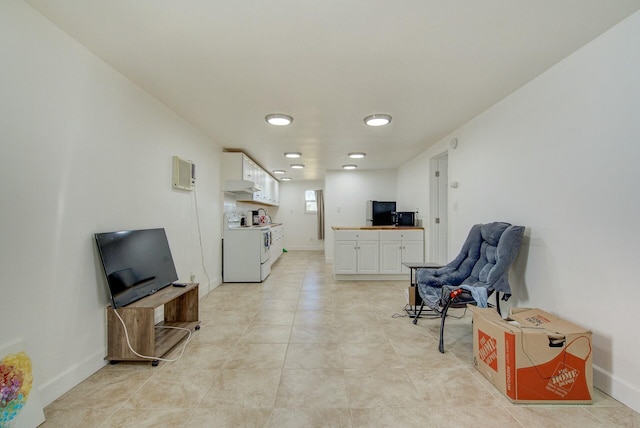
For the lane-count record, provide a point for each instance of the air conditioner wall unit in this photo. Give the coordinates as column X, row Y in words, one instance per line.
column 184, row 174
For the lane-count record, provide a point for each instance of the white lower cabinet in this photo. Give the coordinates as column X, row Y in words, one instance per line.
column 367, row 257
column 277, row 242
column 412, row 251
column 377, row 252
column 356, row 252
column 391, row 257
column 403, row 247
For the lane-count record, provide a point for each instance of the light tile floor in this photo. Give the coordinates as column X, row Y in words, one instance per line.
column 303, row 350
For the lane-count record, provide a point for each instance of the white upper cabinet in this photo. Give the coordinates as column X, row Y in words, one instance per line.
column 248, row 167
column 242, row 176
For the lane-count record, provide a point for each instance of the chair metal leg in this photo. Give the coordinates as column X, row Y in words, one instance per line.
column 415, row 319
column 443, row 316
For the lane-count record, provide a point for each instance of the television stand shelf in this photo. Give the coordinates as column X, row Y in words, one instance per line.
column 146, row 337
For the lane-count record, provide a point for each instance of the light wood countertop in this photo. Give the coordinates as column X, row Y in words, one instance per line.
column 377, row 227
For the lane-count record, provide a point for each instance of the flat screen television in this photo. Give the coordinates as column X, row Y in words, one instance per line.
column 137, row 263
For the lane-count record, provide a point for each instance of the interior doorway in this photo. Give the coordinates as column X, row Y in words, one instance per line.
column 439, row 218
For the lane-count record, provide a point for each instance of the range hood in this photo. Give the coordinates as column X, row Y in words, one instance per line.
column 241, row 186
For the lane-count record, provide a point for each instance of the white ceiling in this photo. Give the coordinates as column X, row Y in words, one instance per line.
column 432, row 64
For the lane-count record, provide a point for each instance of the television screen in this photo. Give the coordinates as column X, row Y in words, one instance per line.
column 137, row 263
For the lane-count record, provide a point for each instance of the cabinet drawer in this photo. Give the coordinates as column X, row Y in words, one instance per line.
column 402, row 235
column 357, row 235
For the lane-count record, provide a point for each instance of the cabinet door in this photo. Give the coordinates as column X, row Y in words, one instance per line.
column 232, row 166
column 345, row 257
column 272, row 183
column 268, row 188
column 260, row 181
column 412, row 251
column 248, row 169
column 368, row 256
column 276, row 192
column 390, row 257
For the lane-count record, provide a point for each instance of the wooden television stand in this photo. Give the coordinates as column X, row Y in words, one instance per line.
column 146, row 337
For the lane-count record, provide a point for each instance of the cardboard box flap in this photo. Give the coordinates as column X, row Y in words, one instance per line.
column 489, row 314
column 539, row 319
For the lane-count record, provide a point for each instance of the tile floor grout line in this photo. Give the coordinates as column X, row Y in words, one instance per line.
column 316, row 293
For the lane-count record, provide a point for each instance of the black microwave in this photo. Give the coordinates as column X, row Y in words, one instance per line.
column 405, row 218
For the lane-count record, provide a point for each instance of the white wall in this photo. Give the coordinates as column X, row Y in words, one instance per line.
column 414, row 184
column 346, row 193
column 414, row 196
column 560, row 156
column 300, row 229
column 84, row 150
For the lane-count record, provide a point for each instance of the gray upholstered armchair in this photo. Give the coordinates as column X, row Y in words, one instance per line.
column 480, row 269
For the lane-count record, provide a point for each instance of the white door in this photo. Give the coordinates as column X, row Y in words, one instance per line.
column 439, row 209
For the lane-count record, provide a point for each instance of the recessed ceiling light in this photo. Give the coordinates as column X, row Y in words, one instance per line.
column 349, row 166
column 278, row 171
column 286, row 179
column 357, row 155
column 278, row 119
column 377, row 119
column 297, row 166
column 293, row 155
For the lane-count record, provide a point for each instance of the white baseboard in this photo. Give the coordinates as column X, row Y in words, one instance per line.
column 56, row 387
column 627, row 394
column 371, row 277
column 71, row 377
column 312, row 248
column 213, row 284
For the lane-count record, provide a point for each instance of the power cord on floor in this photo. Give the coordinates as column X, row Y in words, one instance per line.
column 397, row 315
column 126, row 335
column 430, row 313
column 204, row 269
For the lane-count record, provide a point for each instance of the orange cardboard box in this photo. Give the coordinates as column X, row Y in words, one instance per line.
column 533, row 356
